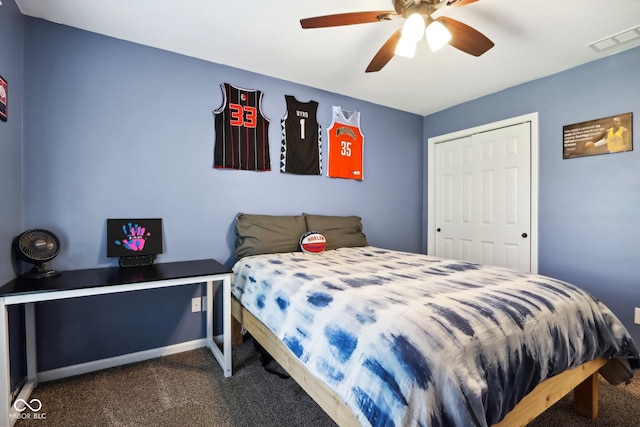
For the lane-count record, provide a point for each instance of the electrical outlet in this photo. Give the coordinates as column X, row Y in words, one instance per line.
column 196, row 304
column 636, row 318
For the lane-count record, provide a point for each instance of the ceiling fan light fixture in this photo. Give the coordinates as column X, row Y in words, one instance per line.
column 413, row 28
column 437, row 35
column 417, row 16
column 406, row 47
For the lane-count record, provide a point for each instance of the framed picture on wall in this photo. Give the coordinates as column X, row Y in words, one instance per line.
column 606, row 135
column 3, row 99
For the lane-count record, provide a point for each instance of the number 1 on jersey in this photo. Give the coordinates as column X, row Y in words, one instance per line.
column 302, row 136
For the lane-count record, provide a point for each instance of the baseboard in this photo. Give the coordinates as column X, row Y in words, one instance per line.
column 96, row 365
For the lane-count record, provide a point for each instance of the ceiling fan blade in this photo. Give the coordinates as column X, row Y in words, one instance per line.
column 465, row 38
column 385, row 53
column 460, row 3
column 346, row 19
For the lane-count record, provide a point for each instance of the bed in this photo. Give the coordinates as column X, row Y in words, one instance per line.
column 389, row 338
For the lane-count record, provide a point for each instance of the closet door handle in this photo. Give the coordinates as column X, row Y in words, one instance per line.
column 438, row 229
column 524, row 235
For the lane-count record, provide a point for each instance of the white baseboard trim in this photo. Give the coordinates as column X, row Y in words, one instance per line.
column 96, row 365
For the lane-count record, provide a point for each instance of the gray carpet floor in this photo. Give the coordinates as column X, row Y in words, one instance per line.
column 189, row 389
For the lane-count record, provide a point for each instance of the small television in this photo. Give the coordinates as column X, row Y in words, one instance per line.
column 135, row 241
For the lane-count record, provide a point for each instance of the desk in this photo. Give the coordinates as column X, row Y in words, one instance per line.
column 101, row 281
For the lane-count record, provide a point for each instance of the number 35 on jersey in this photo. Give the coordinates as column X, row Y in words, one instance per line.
column 346, row 145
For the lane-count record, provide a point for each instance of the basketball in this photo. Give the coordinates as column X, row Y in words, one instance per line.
column 313, row 242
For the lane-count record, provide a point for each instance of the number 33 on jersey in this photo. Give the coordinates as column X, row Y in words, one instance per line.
column 346, row 145
column 242, row 131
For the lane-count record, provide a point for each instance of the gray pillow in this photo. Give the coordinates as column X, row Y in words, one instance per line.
column 340, row 231
column 268, row 234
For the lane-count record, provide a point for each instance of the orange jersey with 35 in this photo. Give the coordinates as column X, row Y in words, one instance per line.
column 346, row 145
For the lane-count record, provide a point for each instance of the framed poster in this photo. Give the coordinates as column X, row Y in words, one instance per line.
column 3, row 99
column 606, row 135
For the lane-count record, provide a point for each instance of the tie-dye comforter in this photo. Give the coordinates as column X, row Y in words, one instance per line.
column 412, row 340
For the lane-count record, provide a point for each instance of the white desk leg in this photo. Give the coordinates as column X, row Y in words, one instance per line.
column 5, row 377
column 224, row 357
column 226, row 324
column 8, row 414
column 209, row 309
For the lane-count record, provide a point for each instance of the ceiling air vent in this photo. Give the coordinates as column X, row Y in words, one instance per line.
column 616, row 39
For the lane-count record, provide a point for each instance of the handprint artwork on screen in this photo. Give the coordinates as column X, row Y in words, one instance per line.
column 135, row 237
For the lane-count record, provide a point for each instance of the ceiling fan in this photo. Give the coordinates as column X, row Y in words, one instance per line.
column 439, row 31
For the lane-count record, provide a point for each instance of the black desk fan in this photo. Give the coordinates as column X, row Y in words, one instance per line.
column 37, row 247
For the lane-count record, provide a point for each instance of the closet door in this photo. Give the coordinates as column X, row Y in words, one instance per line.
column 483, row 197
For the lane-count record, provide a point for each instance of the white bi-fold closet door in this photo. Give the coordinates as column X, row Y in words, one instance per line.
column 481, row 201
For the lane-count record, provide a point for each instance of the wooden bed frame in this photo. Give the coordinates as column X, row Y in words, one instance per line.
column 582, row 379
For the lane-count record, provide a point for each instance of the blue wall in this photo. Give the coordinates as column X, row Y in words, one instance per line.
column 11, row 48
column 588, row 207
column 11, row 69
column 115, row 129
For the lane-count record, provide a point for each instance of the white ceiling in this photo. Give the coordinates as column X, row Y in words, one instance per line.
column 533, row 38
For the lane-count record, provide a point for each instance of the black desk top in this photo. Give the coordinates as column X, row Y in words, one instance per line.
column 108, row 276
